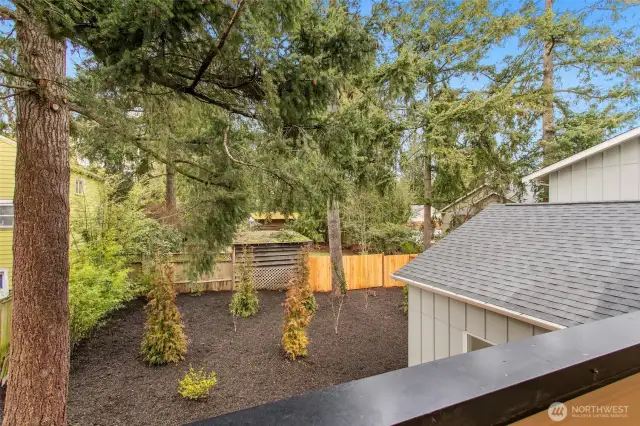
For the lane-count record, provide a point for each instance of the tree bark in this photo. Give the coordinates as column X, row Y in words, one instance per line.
column 170, row 189
column 548, row 120
column 39, row 355
column 335, row 245
column 427, row 231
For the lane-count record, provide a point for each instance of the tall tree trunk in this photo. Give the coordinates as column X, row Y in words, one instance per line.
column 335, row 245
column 427, row 231
column 39, row 356
column 170, row 189
column 548, row 121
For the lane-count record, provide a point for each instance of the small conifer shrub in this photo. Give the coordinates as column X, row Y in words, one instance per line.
column 196, row 384
column 244, row 302
column 302, row 279
column 164, row 340
column 296, row 319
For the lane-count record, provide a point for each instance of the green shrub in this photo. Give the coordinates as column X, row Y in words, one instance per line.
column 296, row 319
column 244, row 302
column 98, row 284
column 307, row 226
column 405, row 302
column 164, row 340
column 391, row 238
column 301, row 279
column 196, row 384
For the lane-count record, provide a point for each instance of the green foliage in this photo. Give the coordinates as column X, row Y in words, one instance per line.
column 296, row 320
column 196, row 384
column 405, row 296
column 307, row 225
column 244, row 302
column 4, row 362
column 98, row 284
column 164, row 340
column 301, row 279
column 391, row 238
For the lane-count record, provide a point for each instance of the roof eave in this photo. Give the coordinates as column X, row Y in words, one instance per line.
column 484, row 305
column 617, row 140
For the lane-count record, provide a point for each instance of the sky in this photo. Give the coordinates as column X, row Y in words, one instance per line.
column 564, row 78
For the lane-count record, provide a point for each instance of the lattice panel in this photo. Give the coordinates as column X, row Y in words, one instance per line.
column 272, row 278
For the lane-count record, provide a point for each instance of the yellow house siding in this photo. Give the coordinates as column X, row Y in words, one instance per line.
column 7, row 185
column 88, row 202
column 7, row 169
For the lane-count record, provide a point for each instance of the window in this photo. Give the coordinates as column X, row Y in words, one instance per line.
column 6, row 214
column 4, row 283
column 79, row 186
column 474, row 343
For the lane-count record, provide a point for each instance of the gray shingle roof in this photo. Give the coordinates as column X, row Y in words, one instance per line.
column 564, row 263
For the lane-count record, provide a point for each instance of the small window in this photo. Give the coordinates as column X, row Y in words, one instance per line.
column 4, row 283
column 6, row 214
column 474, row 343
column 79, row 186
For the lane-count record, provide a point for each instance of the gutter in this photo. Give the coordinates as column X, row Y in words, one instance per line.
column 488, row 306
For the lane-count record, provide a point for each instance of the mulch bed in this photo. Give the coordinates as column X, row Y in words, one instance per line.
column 110, row 385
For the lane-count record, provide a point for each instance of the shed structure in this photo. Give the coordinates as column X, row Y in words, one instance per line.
column 517, row 270
column 275, row 254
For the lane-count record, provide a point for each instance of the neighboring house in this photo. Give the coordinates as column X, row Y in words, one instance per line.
column 605, row 172
column 85, row 195
column 517, row 270
column 416, row 220
column 467, row 206
column 272, row 221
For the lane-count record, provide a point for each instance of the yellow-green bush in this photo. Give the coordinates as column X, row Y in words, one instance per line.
column 98, row 284
column 196, row 384
column 164, row 340
column 296, row 319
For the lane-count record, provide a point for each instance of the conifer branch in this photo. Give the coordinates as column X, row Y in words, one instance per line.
column 214, row 51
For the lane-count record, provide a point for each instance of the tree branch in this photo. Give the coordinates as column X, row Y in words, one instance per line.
column 6, row 14
column 82, row 111
column 225, row 142
column 214, row 51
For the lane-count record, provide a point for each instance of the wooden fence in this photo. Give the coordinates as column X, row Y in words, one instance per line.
column 363, row 271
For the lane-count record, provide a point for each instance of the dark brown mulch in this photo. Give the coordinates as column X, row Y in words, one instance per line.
column 111, row 386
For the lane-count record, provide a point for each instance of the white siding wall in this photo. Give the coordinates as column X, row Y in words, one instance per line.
column 613, row 174
column 437, row 323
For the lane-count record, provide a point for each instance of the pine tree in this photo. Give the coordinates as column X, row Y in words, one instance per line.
column 164, row 340
column 244, row 302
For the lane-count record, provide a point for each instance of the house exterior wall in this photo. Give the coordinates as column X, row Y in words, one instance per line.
column 89, row 201
column 613, row 174
column 437, row 326
column 7, row 185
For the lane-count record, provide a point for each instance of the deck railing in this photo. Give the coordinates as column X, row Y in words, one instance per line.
column 497, row 385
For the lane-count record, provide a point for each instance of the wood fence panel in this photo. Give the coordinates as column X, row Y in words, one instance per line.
column 5, row 321
column 364, row 271
column 392, row 264
column 320, row 273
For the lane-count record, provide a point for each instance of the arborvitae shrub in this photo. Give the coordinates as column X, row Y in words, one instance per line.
column 244, row 302
column 196, row 384
column 164, row 340
column 296, row 319
column 405, row 302
column 302, row 280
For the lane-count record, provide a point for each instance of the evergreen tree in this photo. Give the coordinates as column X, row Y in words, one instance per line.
column 244, row 302
column 164, row 340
